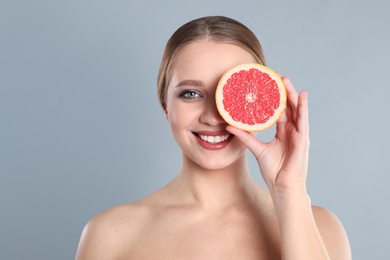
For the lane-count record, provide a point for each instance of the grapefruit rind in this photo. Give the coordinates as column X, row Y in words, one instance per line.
column 259, row 126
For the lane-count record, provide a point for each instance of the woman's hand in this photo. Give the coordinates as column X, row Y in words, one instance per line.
column 283, row 164
column 283, row 161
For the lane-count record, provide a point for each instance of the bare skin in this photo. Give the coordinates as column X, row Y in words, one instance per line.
column 213, row 209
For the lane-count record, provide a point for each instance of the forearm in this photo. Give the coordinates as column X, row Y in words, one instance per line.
column 300, row 238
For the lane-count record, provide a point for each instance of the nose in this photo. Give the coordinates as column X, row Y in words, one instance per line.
column 210, row 114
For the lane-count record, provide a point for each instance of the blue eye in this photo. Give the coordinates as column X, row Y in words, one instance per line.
column 189, row 94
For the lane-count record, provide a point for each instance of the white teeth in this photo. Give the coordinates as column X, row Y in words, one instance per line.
column 214, row 139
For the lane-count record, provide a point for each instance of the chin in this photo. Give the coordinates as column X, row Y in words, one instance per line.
column 216, row 163
column 214, row 166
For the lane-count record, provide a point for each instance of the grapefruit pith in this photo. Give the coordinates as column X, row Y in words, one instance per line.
column 251, row 97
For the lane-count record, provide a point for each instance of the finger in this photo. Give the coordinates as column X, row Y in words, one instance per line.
column 303, row 113
column 292, row 99
column 250, row 141
column 283, row 117
column 292, row 94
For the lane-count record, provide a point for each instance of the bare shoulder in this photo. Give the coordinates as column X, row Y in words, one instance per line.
column 333, row 233
column 103, row 236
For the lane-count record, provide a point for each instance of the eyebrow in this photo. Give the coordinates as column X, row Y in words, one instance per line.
column 190, row 82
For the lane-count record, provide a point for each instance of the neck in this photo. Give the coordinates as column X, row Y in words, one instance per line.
column 215, row 189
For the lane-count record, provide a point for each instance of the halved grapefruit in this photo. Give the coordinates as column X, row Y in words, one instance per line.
column 251, row 97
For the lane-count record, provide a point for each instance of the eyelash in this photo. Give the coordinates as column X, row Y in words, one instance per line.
column 185, row 93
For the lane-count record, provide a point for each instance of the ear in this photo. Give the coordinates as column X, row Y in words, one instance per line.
column 166, row 112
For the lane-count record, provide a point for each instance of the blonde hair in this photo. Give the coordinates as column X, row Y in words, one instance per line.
column 217, row 28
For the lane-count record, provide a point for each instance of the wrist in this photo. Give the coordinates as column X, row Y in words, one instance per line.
column 290, row 198
column 282, row 193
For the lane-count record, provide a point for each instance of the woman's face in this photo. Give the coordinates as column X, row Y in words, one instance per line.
column 190, row 105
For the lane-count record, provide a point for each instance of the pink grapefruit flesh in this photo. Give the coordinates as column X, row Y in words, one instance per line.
column 251, row 97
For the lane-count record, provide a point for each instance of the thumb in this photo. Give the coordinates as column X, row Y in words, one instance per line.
column 249, row 140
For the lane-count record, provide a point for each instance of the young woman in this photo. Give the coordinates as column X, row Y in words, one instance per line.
column 213, row 209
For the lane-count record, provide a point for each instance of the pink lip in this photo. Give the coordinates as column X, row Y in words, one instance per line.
column 210, row 146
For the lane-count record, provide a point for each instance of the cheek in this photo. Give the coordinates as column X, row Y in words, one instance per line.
column 182, row 114
column 183, row 118
column 175, row 118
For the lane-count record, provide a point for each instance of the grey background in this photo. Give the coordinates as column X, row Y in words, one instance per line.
column 81, row 129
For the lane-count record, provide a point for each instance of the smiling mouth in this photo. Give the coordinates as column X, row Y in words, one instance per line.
column 213, row 139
